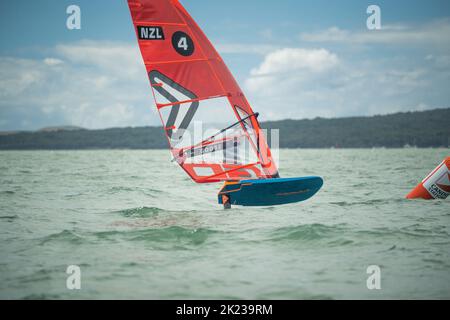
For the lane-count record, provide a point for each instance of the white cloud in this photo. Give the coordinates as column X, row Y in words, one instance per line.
column 52, row 61
column 434, row 33
column 16, row 75
column 88, row 84
column 305, row 83
column 292, row 59
column 284, row 65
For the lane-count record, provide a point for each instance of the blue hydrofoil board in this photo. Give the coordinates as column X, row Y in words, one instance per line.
column 269, row 192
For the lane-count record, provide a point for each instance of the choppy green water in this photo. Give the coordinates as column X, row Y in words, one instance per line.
column 139, row 228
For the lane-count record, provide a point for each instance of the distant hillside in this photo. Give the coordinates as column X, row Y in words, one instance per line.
column 421, row 129
column 60, row 128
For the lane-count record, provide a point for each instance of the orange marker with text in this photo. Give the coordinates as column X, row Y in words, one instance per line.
column 436, row 185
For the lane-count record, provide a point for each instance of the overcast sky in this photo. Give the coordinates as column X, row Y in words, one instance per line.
column 293, row 59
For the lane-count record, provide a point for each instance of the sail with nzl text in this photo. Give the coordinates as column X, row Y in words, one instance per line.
column 195, row 92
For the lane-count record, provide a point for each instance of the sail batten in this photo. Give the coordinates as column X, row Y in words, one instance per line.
column 150, row 23
column 154, row 63
column 159, row 106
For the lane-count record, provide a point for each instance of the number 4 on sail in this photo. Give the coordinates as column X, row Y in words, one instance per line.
column 193, row 89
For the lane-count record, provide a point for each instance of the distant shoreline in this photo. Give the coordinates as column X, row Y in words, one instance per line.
column 420, row 129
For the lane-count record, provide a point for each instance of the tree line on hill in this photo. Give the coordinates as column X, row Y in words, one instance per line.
column 421, row 129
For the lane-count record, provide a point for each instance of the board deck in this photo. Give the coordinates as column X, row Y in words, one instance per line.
column 268, row 192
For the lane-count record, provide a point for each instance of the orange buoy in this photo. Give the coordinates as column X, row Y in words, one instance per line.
column 436, row 185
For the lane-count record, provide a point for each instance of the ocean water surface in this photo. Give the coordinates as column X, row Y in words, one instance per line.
column 139, row 228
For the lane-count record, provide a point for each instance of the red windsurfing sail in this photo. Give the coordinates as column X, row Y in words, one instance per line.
column 212, row 131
